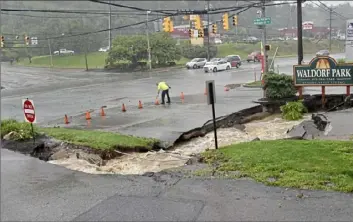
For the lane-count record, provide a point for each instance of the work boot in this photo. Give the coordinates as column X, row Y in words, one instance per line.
column 168, row 102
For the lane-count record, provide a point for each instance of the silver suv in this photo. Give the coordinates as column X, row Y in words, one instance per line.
column 196, row 63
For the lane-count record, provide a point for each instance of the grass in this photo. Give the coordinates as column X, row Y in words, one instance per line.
column 98, row 139
column 97, row 59
column 93, row 139
column 326, row 165
column 255, row 83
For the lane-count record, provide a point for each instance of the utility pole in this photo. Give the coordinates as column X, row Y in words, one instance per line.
column 148, row 42
column 208, row 27
column 110, row 25
column 51, row 56
column 263, row 15
column 330, row 28
column 300, row 31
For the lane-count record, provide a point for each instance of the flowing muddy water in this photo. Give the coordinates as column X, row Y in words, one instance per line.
column 271, row 128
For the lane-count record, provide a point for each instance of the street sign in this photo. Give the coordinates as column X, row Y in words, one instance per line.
column 34, row 40
column 323, row 71
column 28, row 109
column 262, row 21
column 211, row 100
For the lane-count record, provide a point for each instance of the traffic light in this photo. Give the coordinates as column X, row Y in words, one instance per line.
column 27, row 40
column 166, row 24
column 267, row 47
column 201, row 34
column 197, row 22
column 214, row 28
column 225, row 21
column 235, row 20
column 171, row 26
column 191, row 33
column 2, row 41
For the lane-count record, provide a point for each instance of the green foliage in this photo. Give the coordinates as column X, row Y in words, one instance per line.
column 22, row 130
column 293, row 110
column 132, row 50
column 195, row 51
column 279, row 86
column 341, row 60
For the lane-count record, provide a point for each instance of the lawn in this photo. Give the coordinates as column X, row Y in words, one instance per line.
column 95, row 60
column 326, row 165
column 93, row 139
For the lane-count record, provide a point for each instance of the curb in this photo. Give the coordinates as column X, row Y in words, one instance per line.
column 246, row 86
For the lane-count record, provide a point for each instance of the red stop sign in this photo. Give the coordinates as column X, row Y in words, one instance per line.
column 28, row 109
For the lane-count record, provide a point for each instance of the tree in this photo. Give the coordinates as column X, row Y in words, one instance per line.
column 133, row 49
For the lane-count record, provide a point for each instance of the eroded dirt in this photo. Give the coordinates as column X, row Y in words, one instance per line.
column 139, row 163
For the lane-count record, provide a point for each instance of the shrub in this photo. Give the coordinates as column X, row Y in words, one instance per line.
column 293, row 110
column 195, row 51
column 341, row 60
column 279, row 86
column 22, row 130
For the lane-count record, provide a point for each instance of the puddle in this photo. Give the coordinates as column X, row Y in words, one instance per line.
column 271, row 128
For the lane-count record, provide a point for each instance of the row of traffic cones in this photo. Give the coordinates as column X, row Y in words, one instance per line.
column 123, row 109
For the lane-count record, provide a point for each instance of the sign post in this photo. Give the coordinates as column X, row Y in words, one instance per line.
column 211, row 100
column 29, row 113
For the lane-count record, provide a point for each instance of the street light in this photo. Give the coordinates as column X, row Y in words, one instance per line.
column 148, row 41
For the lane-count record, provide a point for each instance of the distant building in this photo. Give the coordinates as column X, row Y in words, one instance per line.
column 309, row 30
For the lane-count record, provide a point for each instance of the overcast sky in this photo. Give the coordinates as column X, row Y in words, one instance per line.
column 333, row 3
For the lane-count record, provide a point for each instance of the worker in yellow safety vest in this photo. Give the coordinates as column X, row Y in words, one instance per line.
column 164, row 87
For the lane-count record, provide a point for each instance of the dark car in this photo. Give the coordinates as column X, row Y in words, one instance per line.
column 234, row 60
column 254, row 56
column 323, row 52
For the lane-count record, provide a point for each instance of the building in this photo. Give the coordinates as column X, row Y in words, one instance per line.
column 309, row 30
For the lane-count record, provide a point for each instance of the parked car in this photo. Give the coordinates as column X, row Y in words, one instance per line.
column 196, row 63
column 323, row 52
column 254, row 56
column 217, row 41
column 251, row 39
column 104, row 49
column 64, row 52
column 217, row 66
column 213, row 60
column 234, row 60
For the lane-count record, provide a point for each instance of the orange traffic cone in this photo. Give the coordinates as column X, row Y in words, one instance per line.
column 123, row 109
column 182, row 96
column 156, row 102
column 66, row 120
column 102, row 112
column 88, row 115
column 140, row 105
column 205, row 92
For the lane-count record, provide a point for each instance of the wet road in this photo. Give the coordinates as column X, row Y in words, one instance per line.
column 72, row 92
column 32, row 190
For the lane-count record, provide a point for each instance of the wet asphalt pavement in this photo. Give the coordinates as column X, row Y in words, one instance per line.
column 73, row 92
column 32, row 190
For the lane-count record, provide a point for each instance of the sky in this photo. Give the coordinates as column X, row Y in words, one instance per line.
column 334, row 3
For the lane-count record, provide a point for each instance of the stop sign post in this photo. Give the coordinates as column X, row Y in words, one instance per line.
column 29, row 113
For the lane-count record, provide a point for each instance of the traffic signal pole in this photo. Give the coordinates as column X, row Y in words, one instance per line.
column 208, row 33
column 300, row 31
